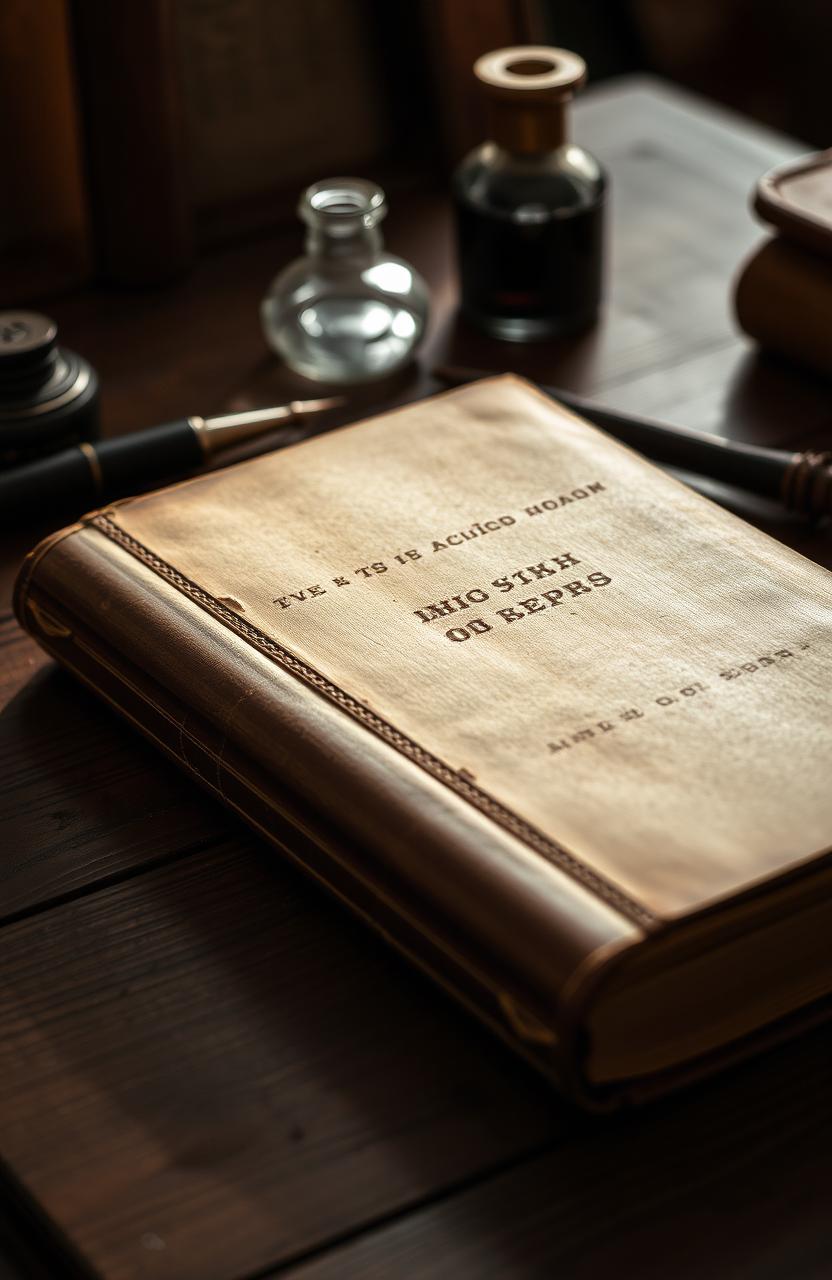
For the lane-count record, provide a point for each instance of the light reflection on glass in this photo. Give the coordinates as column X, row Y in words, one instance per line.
column 403, row 326
column 308, row 320
column 393, row 277
column 375, row 321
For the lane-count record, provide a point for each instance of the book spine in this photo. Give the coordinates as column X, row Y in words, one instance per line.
column 783, row 299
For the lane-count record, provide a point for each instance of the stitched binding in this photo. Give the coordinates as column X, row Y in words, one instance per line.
column 457, row 782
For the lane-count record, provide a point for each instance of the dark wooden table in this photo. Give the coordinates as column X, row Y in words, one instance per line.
column 207, row 1070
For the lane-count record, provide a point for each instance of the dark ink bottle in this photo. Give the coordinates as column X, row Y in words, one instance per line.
column 529, row 203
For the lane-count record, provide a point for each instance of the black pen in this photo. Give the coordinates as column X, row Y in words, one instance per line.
column 90, row 474
column 802, row 481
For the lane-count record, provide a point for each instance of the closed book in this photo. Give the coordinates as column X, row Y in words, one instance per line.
column 783, row 294
column 554, row 724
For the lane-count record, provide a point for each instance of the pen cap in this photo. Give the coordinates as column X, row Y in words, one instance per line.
column 527, row 88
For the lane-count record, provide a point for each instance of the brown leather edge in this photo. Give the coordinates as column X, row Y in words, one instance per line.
column 774, row 207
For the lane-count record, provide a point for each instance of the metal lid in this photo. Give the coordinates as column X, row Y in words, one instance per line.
column 533, row 72
column 47, row 394
column 26, row 337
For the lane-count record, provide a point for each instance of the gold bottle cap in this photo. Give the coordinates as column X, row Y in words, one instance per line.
column 527, row 87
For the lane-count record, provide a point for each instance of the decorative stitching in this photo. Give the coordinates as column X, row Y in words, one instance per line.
column 438, row 769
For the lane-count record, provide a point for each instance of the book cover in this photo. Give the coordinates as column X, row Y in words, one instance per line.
column 555, row 724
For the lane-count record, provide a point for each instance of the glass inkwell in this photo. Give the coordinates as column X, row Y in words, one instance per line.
column 346, row 311
column 529, row 203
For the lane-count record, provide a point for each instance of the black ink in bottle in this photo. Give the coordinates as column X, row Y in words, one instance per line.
column 530, row 204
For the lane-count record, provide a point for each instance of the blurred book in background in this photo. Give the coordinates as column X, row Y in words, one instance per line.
column 783, row 295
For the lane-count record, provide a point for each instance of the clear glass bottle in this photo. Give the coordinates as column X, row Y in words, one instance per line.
column 346, row 311
column 529, row 204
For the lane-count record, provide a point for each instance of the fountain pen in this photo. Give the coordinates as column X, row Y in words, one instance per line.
column 801, row 481
column 88, row 475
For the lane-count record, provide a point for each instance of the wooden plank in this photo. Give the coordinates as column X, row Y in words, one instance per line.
column 85, row 800
column 211, row 1068
column 730, row 1180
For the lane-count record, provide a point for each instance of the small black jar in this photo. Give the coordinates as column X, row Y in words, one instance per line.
column 48, row 395
column 529, row 203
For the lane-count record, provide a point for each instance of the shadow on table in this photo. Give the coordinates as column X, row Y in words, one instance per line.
column 772, row 397
column 85, row 800
column 729, row 1181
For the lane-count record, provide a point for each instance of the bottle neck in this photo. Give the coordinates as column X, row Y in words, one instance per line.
column 362, row 244
column 527, row 128
column 342, row 216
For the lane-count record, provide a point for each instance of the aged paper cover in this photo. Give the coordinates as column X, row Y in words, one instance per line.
column 637, row 674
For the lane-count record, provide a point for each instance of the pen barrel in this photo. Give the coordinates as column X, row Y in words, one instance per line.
column 146, row 458
column 802, row 481
column 55, row 485
column 85, row 476
column 748, row 466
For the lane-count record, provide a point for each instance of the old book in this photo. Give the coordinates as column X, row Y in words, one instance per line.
column 554, row 724
column 783, row 295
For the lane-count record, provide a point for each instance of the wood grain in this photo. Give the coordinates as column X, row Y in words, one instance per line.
column 83, row 801
column 210, row 1068
column 206, row 1069
column 730, row 1181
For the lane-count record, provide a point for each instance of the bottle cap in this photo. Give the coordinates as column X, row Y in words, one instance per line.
column 527, row 87
column 48, row 395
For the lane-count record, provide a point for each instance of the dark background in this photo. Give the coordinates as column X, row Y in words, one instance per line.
column 138, row 136
column 768, row 59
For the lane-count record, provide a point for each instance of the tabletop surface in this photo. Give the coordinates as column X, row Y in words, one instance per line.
column 208, row 1071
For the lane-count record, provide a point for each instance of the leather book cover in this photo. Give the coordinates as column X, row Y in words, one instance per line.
column 554, row 724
